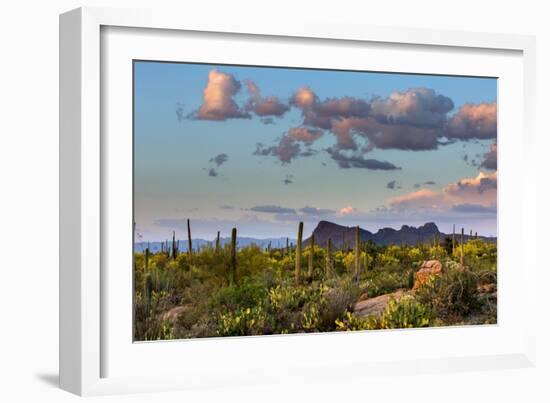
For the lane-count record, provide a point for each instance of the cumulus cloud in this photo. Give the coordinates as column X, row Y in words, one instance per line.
column 264, row 106
column 478, row 191
column 400, row 136
column 218, row 103
column 473, row 121
column 355, row 160
column 285, row 150
column 490, row 158
column 305, row 135
column 419, row 107
column 304, row 98
column 273, row 209
column 347, row 210
column 288, row 146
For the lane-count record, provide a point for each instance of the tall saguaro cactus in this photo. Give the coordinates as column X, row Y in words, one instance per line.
column 148, row 293
column 298, row 271
column 328, row 260
column 310, row 260
column 218, row 242
column 233, row 262
column 357, row 253
column 190, row 247
column 454, row 241
column 287, row 248
column 174, row 246
column 147, row 259
column 462, row 248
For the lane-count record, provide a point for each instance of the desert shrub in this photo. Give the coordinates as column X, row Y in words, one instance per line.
column 415, row 254
column 242, row 322
column 311, row 317
column 351, row 322
column 244, row 295
column 336, row 303
column 451, row 294
column 437, row 252
column 405, row 312
column 383, row 283
column 288, row 297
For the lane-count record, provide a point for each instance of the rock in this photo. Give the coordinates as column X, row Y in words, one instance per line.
column 363, row 297
column 428, row 269
column 375, row 306
column 173, row 314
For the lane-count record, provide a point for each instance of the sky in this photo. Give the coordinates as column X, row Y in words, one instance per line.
column 262, row 148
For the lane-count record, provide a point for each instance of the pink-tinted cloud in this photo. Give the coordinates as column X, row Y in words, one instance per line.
column 474, row 121
column 304, row 134
column 264, row 106
column 218, row 103
column 348, row 210
column 304, row 98
column 480, row 191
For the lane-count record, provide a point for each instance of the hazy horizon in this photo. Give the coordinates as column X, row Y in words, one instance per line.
column 262, row 148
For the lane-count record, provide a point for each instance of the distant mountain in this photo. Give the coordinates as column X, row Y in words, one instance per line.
column 200, row 243
column 339, row 235
column 408, row 235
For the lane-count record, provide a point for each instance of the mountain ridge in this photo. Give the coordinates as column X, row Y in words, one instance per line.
column 410, row 235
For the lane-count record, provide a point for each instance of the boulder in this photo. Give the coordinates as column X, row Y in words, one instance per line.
column 428, row 269
column 375, row 305
column 363, row 297
column 173, row 314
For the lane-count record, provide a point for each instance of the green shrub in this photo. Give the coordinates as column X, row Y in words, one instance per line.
column 244, row 295
column 351, row 323
column 405, row 312
column 451, row 294
column 242, row 322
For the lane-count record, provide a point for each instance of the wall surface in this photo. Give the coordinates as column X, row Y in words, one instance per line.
column 29, row 201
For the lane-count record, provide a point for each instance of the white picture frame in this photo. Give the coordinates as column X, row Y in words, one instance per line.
column 85, row 176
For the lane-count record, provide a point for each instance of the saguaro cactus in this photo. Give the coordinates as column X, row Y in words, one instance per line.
column 462, row 248
column 287, row 248
column 344, row 240
column 298, row 271
column 310, row 260
column 148, row 293
column 218, row 242
column 190, row 247
column 454, row 239
column 328, row 262
column 357, row 253
column 233, row 262
column 147, row 259
column 174, row 246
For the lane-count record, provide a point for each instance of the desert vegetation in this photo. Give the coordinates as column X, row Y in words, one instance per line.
column 226, row 290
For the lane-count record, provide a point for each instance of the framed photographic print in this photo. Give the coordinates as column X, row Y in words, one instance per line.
column 237, row 196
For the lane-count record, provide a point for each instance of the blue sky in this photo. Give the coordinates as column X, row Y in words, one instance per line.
column 263, row 148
